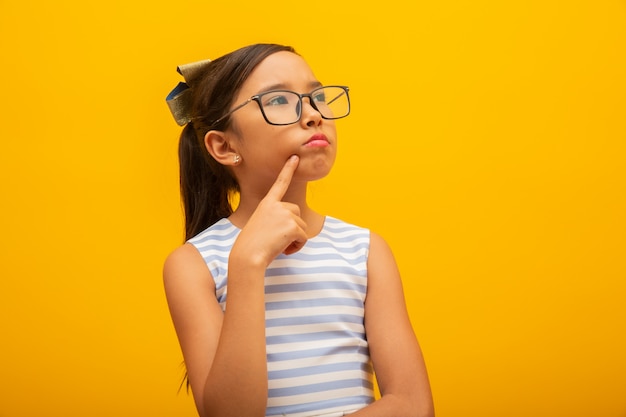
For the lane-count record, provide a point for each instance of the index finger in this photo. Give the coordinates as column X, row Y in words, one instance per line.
column 280, row 186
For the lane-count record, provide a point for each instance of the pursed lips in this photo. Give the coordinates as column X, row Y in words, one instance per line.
column 317, row 140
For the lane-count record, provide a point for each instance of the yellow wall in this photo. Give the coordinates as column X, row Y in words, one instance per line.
column 487, row 144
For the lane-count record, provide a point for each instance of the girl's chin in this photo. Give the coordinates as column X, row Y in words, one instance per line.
column 313, row 170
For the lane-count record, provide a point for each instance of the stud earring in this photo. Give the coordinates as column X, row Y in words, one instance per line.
column 236, row 159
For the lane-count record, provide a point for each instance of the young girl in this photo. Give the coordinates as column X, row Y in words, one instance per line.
column 280, row 310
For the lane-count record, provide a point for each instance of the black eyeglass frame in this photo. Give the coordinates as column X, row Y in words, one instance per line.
column 257, row 98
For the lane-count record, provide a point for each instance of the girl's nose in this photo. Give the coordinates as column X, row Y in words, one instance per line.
column 310, row 116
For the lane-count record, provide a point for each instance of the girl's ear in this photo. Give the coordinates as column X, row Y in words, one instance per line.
column 219, row 148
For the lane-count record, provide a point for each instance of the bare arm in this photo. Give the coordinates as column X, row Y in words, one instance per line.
column 396, row 355
column 225, row 352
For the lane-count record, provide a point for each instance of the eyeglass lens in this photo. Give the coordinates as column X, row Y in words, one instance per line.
column 284, row 107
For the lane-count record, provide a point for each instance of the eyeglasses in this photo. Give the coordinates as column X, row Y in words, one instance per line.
column 284, row 107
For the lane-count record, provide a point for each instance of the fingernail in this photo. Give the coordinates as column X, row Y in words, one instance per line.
column 293, row 157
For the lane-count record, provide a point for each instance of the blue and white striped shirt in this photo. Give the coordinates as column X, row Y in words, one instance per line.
column 317, row 353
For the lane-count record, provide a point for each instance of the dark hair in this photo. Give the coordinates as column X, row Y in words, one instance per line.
column 207, row 186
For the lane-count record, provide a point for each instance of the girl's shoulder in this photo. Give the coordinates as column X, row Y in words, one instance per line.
column 342, row 236
column 189, row 258
column 335, row 224
column 375, row 242
column 221, row 234
column 220, row 230
column 184, row 266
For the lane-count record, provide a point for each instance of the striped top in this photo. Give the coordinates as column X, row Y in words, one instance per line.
column 317, row 354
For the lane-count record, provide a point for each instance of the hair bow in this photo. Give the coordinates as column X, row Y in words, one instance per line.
column 179, row 99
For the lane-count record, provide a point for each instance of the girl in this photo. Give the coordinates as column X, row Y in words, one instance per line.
column 280, row 310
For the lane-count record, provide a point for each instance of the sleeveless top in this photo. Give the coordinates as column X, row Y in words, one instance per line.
column 317, row 353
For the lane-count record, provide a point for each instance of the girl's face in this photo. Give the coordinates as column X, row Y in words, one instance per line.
column 264, row 148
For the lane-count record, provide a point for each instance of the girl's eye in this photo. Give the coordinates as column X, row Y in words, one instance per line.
column 320, row 97
column 276, row 101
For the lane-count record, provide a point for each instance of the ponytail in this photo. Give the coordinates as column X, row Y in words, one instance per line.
column 205, row 185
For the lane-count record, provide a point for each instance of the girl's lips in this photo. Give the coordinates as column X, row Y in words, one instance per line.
column 317, row 140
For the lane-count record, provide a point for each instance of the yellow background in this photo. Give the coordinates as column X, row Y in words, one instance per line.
column 487, row 144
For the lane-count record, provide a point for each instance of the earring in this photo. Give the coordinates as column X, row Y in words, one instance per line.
column 236, row 159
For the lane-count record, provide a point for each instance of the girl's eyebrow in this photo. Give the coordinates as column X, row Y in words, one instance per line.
column 283, row 86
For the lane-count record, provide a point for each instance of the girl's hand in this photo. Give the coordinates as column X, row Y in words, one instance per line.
column 275, row 226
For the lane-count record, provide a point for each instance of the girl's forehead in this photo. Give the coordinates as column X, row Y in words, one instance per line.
column 280, row 70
